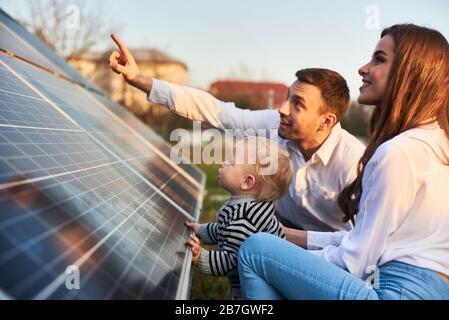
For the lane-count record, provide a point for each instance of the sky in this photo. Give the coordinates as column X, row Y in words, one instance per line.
column 261, row 39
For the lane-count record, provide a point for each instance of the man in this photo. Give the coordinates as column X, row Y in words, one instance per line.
column 324, row 155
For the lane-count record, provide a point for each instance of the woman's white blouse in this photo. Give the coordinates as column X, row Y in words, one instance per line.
column 404, row 210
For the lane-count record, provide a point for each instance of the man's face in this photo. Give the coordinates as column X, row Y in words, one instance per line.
column 301, row 115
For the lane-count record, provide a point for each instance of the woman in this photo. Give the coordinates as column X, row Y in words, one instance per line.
column 399, row 248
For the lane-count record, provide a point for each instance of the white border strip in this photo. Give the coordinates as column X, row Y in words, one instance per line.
column 22, row 182
column 38, row 128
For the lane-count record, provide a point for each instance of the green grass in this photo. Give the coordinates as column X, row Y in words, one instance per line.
column 208, row 287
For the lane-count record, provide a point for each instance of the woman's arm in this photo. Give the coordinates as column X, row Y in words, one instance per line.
column 313, row 240
column 188, row 102
column 298, row 237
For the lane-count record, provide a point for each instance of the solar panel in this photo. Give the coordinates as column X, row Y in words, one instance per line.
column 145, row 131
column 84, row 184
column 22, row 43
column 109, row 131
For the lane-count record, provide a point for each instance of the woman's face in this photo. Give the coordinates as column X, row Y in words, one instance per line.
column 375, row 73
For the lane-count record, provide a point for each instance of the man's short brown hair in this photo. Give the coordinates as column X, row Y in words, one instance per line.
column 333, row 87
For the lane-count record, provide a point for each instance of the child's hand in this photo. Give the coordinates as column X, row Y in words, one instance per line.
column 193, row 226
column 194, row 242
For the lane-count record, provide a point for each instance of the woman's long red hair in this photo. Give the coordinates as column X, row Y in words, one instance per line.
column 417, row 92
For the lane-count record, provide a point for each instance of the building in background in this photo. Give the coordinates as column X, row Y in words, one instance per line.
column 152, row 63
column 253, row 95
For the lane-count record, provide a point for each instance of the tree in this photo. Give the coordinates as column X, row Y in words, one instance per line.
column 67, row 27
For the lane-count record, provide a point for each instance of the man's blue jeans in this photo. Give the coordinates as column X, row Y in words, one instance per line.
column 273, row 268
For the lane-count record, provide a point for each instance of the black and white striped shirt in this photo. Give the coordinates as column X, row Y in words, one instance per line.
column 238, row 218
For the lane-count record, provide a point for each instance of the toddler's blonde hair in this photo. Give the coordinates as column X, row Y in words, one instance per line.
column 270, row 163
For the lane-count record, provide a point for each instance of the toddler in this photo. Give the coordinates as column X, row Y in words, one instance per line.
column 258, row 173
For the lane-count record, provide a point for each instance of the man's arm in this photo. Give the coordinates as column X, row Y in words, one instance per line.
column 188, row 102
column 123, row 63
column 142, row 83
